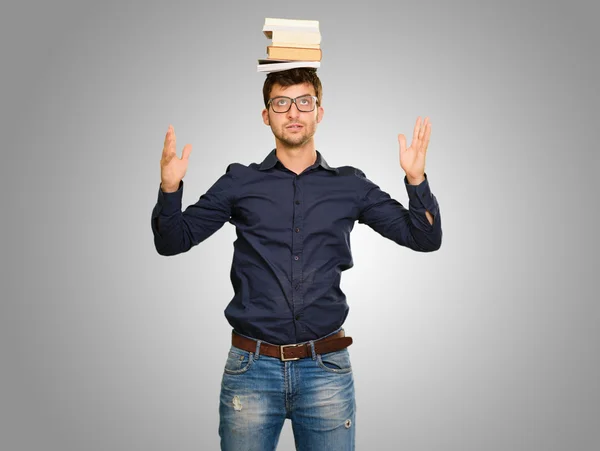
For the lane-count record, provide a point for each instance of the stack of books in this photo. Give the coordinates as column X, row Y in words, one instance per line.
column 294, row 43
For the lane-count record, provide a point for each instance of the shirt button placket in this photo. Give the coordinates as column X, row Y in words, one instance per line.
column 297, row 301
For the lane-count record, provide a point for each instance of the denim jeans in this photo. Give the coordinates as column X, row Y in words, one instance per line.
column 259, row 392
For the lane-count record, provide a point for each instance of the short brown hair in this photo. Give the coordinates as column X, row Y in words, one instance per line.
column 293, row 77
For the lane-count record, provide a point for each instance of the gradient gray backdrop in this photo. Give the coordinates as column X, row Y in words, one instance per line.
column 490, row 343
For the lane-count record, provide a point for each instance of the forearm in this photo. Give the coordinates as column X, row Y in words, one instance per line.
column 176, row 231
column 425, row 230
column 167, row 223
column 429, row 217
column 416, row 182
column 425, row 213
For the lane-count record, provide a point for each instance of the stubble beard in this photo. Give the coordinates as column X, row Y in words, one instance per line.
column 294, row 140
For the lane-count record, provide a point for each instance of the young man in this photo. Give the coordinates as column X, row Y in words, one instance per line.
column 293, row 215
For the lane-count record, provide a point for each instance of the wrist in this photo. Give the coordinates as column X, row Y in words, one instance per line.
column 415, row 180
column 169, row 188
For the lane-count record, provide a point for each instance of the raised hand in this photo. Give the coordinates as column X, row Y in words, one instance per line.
column 412, row 160
column 172, row 168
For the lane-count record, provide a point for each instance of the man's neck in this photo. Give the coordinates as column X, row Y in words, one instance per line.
column 296, row 159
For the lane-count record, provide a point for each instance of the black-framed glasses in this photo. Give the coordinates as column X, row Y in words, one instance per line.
column 282, row 104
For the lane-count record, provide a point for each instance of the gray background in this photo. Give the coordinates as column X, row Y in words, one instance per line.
column 490, row 343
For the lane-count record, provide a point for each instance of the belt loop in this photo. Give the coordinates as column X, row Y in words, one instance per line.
column 257, row 352
column 312, row 349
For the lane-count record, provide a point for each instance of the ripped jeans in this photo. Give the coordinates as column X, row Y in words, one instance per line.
column 259, row 392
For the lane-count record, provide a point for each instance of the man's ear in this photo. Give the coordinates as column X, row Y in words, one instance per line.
column 265, row 116
column 320, row 113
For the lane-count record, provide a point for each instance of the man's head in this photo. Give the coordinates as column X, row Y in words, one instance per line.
column 293, row 77
column 296, row 126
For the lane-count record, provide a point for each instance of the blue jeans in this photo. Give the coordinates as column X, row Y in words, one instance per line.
column 259, row 392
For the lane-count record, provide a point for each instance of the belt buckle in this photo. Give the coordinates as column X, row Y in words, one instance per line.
column 281, row 352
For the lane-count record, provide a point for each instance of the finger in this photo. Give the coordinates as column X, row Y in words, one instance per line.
column 187, row 150
column 402, row 141
column 167, row 135
column 427, row 136
column 423, row 129
column 417, row 129
column 169, row 146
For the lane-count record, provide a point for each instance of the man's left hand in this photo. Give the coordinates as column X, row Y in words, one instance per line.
column 412, row 160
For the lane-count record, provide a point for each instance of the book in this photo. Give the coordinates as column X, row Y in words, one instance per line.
column 291, row 25
column 297, row 45
column 292, row 22
column 289, row 37
column 270, row 65
column 293, row 53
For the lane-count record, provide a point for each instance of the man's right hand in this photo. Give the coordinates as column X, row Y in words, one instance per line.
column 172, row 168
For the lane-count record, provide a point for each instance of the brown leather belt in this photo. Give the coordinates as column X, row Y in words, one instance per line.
column 331, row 343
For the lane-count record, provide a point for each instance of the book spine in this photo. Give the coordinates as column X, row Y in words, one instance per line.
column 294, row 37
column 292, row 22
column 264, row 66
column 297, row 45
column 271, row 28
column 294, row 53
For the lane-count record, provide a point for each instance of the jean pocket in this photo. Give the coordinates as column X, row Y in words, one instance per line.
column 238, row 361
column 335, row 362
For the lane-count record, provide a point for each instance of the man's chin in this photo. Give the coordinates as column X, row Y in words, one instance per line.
column 299, row 142
column 296, row 145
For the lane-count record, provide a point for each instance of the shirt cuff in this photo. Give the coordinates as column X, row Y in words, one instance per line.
column 421, row 196
column 170, row 203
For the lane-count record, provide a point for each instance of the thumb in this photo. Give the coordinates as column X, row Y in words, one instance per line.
column 187, row 150
column 402, row 141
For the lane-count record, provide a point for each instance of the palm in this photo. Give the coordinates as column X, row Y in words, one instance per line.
column 412, row 160
column 173, row 167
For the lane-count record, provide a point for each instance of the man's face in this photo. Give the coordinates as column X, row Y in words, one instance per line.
column 294, row 128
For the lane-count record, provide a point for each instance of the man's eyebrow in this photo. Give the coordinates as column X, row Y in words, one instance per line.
column 301, row 95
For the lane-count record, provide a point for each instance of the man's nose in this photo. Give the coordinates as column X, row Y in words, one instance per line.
column 293, row 111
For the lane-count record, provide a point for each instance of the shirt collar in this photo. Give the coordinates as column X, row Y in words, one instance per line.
column 271, row 160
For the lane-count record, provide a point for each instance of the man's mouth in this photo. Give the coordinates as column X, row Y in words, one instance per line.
column 294, row 127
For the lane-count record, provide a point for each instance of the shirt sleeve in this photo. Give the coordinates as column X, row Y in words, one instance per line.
column 176, row 231
column 407, row 227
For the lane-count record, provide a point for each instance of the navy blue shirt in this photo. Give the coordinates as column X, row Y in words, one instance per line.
column 293, row 239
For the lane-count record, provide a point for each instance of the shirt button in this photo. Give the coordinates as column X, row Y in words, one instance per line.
column 297, row 229
column 296, row 257
column 298, row 317
column 297, row 202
